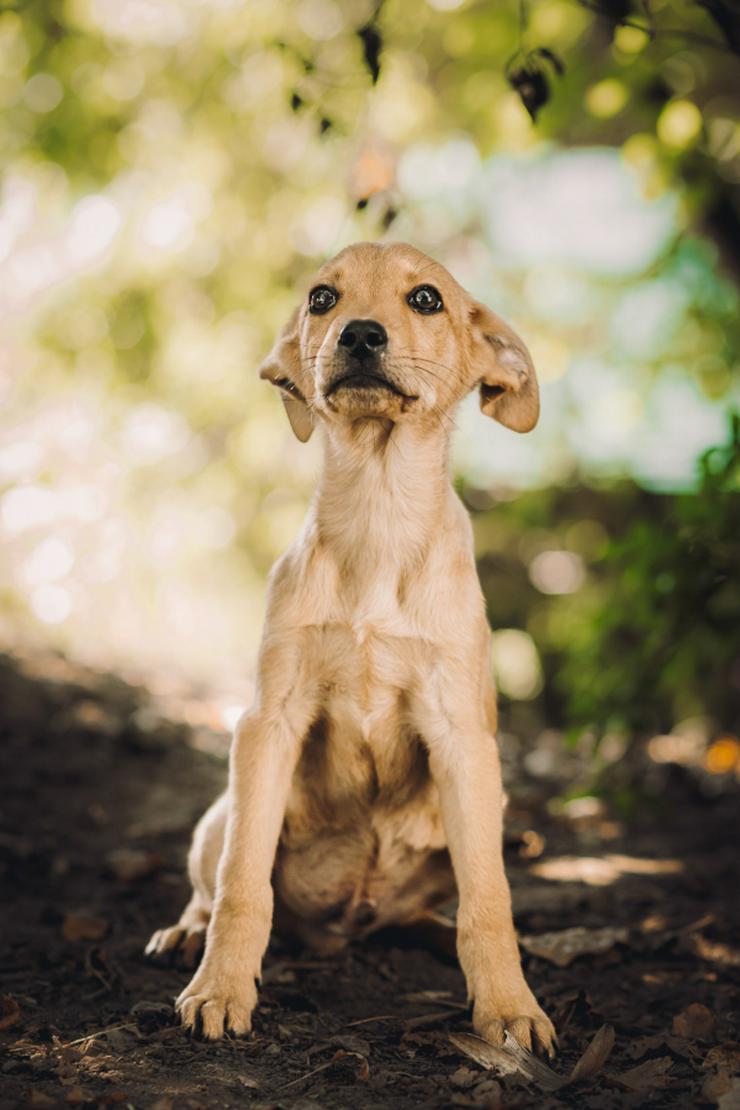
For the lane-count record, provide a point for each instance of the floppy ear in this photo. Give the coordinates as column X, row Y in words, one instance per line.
column 508, row 383
column 282, row 367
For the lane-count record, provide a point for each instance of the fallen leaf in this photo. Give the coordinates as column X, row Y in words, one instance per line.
column 81, row 925
column 657, row 1044
column 650, row 1074
column 489, row 1056
column 562, row 947
column 596, row 1053
column 695, row 1023
column 508, row 1059
column 10, row 1012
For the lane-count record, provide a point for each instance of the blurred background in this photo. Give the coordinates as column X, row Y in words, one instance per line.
column 172, row 173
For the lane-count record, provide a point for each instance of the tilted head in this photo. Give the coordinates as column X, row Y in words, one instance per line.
column 386, row 333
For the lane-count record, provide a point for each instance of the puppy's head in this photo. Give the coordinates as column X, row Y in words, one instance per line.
column 386, row 333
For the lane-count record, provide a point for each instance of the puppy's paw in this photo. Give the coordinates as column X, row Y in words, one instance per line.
column 523, row 1019
column 214, row 1004
column 179, row 942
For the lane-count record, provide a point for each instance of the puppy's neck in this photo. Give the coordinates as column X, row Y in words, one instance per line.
column 383, row 491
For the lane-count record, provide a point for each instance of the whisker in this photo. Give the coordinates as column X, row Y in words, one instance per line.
column 430, row 375
column 415, row 366
column 427, row 361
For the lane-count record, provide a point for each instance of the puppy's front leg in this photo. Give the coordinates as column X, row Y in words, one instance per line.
column 465, row 765
column 223, row 991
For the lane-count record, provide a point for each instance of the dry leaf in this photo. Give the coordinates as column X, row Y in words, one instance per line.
column 509, row 1059
column 489, row 1056
column 695, row 1023
column 657, row 1044
column 650, row 1074
column 594, row 1057
column 566, row 945
column 530, row 1066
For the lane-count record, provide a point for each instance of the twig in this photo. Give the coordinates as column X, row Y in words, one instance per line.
column 101, row 1033
column 431, row 1019
column 696, row 926
column 301, row 1078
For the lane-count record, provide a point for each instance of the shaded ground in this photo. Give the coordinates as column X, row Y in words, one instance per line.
column 100, row 796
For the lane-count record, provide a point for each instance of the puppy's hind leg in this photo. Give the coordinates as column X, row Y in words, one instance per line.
column 185, row 940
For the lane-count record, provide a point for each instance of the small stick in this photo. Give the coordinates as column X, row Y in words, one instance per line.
column 315, row 1071
column 379, row 1017
column 100, row 1033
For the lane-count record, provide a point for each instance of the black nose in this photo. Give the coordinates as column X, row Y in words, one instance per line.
column 363, row 338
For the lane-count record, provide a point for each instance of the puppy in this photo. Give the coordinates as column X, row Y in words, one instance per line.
column 368, row 762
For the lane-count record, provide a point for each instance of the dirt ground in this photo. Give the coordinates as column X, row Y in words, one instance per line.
column 99, row 797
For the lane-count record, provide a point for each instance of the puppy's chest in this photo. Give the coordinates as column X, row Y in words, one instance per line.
column 367, row 673
column 362, row 748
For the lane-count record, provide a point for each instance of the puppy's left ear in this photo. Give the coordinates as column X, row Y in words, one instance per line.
column 282, row 368
column 508, row 384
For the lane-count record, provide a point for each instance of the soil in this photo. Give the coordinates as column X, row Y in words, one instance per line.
column 100, row 796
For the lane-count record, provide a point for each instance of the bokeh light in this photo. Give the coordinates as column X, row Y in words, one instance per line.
column 173, row 173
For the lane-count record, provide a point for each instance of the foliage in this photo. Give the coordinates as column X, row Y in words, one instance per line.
column 173, row 171
column 662, row 642
column 646, row 634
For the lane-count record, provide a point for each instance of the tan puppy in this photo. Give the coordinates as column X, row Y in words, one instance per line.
column 369, row 757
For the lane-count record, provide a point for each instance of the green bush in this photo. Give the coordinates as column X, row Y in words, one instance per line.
column 661, row 640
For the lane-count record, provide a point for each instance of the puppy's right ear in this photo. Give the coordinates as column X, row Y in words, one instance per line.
column 282, row 367
column 508, row 382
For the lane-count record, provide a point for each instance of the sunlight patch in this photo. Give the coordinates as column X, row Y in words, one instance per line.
column 602, row 870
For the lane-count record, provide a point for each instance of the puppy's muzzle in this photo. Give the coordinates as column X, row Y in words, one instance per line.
column 360, row 345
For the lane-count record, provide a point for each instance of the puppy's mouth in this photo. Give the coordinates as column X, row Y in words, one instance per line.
column 366, row 380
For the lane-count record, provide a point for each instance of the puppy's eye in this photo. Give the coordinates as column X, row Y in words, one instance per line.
column 321, row 299
column 426, row 299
